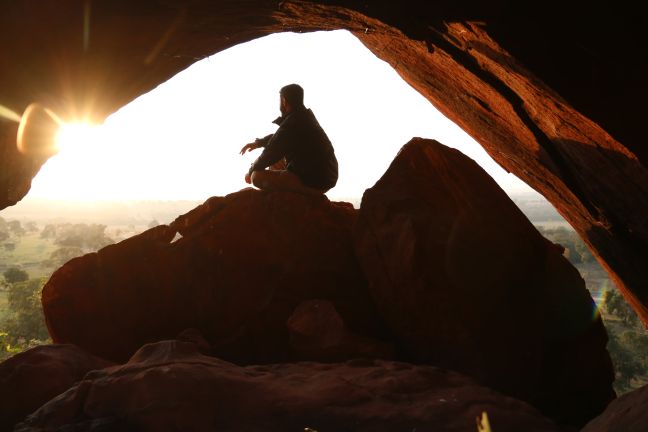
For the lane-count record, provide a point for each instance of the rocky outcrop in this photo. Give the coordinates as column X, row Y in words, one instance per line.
column 625, row 414
column 31, row 378
column 466, row 282
column 438, row 267
column 238, row 269
column 170, row 385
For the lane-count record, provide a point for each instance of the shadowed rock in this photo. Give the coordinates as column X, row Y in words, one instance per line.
column 318, row 332
column 625, row 414
column 33, row 377
column 466, row 282
column 171, row 386
column 242, row 265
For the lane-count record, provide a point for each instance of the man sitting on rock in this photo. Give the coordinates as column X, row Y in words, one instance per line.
column 310, row 166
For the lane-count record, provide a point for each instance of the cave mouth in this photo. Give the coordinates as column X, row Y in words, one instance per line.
column 180, row 141
column 470, row 66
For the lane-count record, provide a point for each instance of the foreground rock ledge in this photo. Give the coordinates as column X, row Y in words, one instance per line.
column 33, row 377
column 170, row 385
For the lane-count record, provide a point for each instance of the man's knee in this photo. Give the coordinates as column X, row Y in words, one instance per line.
column 261, row 179
column 255, row 178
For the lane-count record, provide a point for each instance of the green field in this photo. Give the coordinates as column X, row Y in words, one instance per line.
column 29, row 255
column 4, row 305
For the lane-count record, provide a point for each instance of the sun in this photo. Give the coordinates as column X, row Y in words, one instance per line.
column 71, row 137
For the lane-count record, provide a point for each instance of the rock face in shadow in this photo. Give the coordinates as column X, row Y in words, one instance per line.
column 318, row 331
column 625, row 414
column 170, row 385
column 31, row 378
column 465, row 281
column 244, row 262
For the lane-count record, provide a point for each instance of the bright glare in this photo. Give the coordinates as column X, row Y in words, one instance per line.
column 72, row 138
column 181, row 141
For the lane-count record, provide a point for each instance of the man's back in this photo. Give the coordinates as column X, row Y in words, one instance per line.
column 309, row 152
column 307, row 149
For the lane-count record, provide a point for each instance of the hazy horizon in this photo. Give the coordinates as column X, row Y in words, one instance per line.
column 142, row 211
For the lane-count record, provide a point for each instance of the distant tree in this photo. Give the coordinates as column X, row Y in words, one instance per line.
column 576, row 251
column 86, row 237
column 31, row 227
column 584, row 251
column 62, row 255
column 48, row 232
column 9, row 247
column 4, row 230
column 24, row 325
column 627, row 342
column 616, row 305
column 14, row 275
column 16, row 228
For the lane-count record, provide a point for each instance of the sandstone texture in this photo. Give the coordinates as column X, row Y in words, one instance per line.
column 466, row 282
column 170, row 386
column 238, row 269
column 31, row 378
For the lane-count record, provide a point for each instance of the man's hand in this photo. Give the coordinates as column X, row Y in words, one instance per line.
column 247, row 178
column 249, row 147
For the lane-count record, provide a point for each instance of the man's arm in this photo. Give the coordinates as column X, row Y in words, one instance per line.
column 275, row 149
column 259, row 142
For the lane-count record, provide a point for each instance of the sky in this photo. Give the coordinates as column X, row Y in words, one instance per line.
column 181, row 141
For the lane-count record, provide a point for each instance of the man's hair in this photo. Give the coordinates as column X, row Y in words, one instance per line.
column 294, row 94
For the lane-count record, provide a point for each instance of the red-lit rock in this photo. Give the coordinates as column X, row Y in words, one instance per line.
column 244, row 263
column 466, row 282
column 33, row 377
column 171, row 386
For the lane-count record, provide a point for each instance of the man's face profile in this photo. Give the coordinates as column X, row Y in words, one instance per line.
column 283, row 105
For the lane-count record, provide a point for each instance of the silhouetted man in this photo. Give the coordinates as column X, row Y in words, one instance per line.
column 310, row 163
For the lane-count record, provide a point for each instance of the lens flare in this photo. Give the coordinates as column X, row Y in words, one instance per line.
column 8, row 114
column 36, row 131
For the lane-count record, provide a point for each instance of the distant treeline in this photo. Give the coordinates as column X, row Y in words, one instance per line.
column 576, row 251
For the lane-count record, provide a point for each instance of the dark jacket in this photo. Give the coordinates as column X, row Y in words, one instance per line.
column 303, row 143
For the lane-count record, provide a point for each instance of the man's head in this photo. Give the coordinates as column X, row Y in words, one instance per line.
column 291, row 97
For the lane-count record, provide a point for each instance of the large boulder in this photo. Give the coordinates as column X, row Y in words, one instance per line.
column 31, row 378
column 234, row 268
column 466, row 282
column 170, row 386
